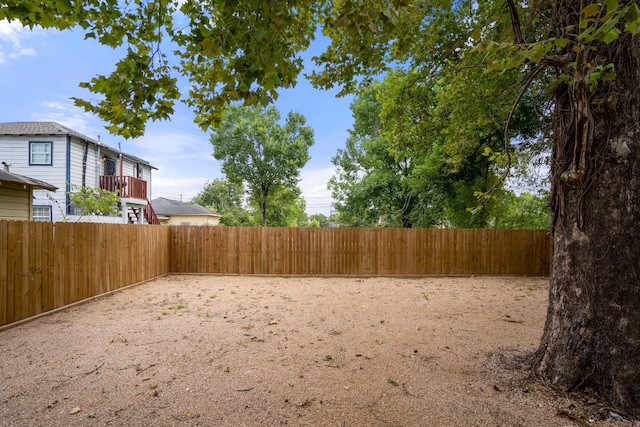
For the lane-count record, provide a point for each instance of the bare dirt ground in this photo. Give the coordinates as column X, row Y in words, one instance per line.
column 270, row 351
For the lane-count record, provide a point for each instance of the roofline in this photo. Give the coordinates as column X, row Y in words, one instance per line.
column 82, row 137
column 25, row 180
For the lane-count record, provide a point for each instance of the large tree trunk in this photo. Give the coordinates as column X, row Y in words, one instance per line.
column 592, row 334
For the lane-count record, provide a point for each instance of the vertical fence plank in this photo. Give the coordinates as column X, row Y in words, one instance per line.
column 4, row 278
column 13, row 279
column 35, row 267
column 23, row 271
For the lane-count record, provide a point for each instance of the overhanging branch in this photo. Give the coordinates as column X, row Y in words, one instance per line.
column 515, row 22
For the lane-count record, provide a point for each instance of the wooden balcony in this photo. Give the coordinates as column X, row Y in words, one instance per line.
column 127, row 187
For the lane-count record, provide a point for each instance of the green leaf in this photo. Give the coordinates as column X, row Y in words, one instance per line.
column 611, row 4
column 633, row 18
column 590, row 11
column 64, row 6
column 476, row 35
column 610, row 36
column 392, row 382
column 537, row 52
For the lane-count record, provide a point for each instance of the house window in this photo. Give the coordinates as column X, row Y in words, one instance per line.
column 42, row 213
column 40, row 153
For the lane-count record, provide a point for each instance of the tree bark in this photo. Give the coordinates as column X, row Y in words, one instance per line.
column 592, row 333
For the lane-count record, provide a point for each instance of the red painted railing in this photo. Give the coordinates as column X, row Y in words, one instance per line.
column 150, row 214
column 126, row 186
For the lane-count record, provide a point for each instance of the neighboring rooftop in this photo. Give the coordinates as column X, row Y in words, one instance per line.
column 53, row 128
column 167, row 207
column 41, row 128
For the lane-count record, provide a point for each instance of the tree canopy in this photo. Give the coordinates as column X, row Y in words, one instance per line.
column 227, row 199
column 420, row 152
column 228, row 51
column 372, row 183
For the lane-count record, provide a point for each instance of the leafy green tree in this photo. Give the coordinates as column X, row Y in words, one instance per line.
column 226, row 198
column 588, row 48
column 371, row 180
column 220, row 195
column 238, row 217
column 320, row 219
column 229, row 51
column 94, row 200
column 526, row 211
column 286, row 208
column 262, row 155
column 410, row 160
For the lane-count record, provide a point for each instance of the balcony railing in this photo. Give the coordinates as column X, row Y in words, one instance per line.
column 126, row 186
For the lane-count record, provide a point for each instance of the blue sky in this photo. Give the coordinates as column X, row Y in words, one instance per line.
column 40, row 71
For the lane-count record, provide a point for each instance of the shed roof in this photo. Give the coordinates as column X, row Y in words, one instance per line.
column 21, row 179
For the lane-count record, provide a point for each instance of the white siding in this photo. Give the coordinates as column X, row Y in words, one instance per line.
column 147, row 177
column 77, row 158
column 127, row 167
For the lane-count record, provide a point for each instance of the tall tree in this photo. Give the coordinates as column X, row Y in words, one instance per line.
column 245, row 51
column 261, row 154
column 592, row 334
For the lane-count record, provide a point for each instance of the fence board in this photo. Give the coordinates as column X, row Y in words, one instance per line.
column 13, row 255
column 300, row 251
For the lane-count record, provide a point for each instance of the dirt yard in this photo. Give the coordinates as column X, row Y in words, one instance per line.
column 270, row 351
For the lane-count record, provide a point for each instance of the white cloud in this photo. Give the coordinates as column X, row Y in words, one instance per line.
column 166, row 142
column 170, row 186
column 67, row 114
column 12, row 34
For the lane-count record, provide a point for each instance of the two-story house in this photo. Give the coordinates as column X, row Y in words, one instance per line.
column 67, row 159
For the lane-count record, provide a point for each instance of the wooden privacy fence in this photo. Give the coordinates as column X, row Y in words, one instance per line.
column 358, row 251
column 45, row 266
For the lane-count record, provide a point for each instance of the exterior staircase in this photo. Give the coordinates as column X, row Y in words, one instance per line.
column 150, row 217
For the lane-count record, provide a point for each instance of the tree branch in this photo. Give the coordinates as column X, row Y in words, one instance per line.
column 507, row 140
column 515, row 22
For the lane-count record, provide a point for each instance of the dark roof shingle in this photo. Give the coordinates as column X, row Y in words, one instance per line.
column 167, row 207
